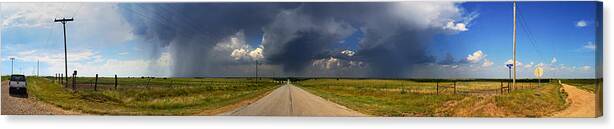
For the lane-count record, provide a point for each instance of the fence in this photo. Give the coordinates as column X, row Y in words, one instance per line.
column 463, row 87
column 114, row 83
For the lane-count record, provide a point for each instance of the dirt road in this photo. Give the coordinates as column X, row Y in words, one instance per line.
column 27, row 106
column 582, row 103
column 289, row 100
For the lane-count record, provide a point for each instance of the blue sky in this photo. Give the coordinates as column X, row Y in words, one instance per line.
column 553, row 26
column 103, row 39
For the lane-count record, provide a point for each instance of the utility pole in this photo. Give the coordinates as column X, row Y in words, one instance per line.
column 37, row 67
column 257, row 71
column 514, row 79
column 12, row 60
column 63, row 21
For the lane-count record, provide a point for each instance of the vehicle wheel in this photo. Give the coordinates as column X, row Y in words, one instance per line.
column 11, row 91
column 24, row 92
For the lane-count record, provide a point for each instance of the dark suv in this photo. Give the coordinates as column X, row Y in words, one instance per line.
column 18, row 85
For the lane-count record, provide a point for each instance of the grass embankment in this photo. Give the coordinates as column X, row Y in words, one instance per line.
column 375, row 97
column 585, row 84
column 152, row 100
column 372, row 97
column 539, row 102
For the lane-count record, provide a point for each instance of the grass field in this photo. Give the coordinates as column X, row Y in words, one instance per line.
column 585, row 84
column 185, row 97
column 415, row 98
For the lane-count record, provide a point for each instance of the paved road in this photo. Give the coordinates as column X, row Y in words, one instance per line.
column 582, row 103
column 289, row 100
column 27, row 106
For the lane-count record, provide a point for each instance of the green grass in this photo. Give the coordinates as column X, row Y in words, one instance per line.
column 585, row 84
column 533, row 103
column 378, row 98
column 131, row 99
column 4, row 78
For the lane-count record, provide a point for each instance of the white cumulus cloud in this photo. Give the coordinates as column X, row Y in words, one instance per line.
column 455, row 26
column 446, row 15
column 554, row 60
column 589, row 45
column 336, row 63
column 581, row 23
column 476, row 56
column 238, row 48
column 348, row 52
column 487, row 63
column 586, row 68
column 511, row 61
column 529, row 65
column 256, row 54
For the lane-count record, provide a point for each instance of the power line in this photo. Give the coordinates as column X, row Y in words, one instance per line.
column 529, row 34
column 187, row 24
column 165, row 23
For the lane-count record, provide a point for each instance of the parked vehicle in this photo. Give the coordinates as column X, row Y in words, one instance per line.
column 18, row 85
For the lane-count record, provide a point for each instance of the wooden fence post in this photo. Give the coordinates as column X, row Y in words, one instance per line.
column 509, row 87
column 437, row 87
column 74, row 81
column 454, row 87
column 96, row 83
column 115, row 81
column 62, row 80
column 501, row 89
column 148, row 80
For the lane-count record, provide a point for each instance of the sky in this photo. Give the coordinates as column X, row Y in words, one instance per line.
column 393, row 39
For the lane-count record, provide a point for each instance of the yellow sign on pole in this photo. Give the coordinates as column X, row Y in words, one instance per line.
column 538, row 72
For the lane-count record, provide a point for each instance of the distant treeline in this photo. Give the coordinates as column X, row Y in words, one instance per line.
column 294, row 79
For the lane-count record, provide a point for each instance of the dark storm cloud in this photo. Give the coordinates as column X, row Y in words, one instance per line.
column 191, row 30
column 294, row 34
column 296, row 38
column 449, row 60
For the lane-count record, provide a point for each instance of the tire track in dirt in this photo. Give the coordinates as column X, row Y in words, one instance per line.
column 581, row 103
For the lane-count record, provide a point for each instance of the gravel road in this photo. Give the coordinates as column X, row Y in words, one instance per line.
column 289, row 100
column 12, row 105
column 582, row 103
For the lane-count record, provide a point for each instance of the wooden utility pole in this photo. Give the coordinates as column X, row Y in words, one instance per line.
column 256, row 71
column 12, row 60
column 37, row 67
column 514, row 80
column 63, row 21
